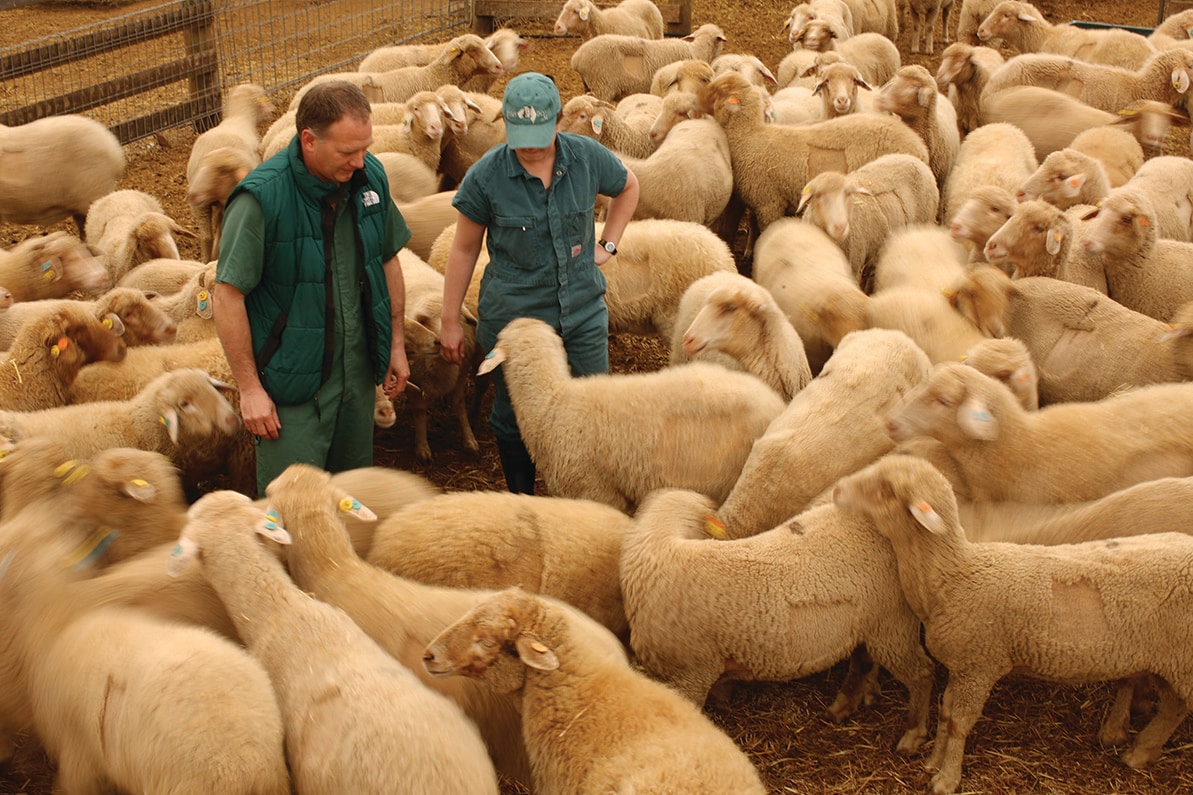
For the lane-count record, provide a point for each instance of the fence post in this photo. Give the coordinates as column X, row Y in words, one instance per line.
column 204, row 85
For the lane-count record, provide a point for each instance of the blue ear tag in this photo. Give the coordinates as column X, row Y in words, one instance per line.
column 271, row 519
column 92, row 549
column 491, row 354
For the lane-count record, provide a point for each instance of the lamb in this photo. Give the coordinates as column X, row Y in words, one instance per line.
column 912, row 96
column 698, row 441
column 208, row 175
column 632, row 733
column 192, row 307
column 677, row 106
column 879, row 16
column 966, row 69
column 980, row 216
column 760, row 152
column 922, row 256
column 33, row 191
column 668, row 186
column 504, row 43
column 800, row 67
column 859, row 210
column 124, row 310
column 836, row 12
column 410, row 179
column 735, row 317
column 427, row 218
column 51, row 266
column 1087, row 346
column 874, row 55
column 485, row 131
column 748, row 66
column 421, row 135
column 1175, row 26
column 1164, row 78
column 924, row 14
column 47, row 355
column 128, row 227
column 831, row 428
column 1069, row 452
column 1116, row 149
column 124, row 378
column 1099, row 610
column 1150, row 275
column 680, row 76
column 355, row 719
column 837, row 86
column 995, row 154
column 151, row 705
column 612, row 66
column 625, row 133
column 1022, row 27
column 1040, row 240
column 971, row 16
column 1067, row 177
column 1166, row 182
column 161, row 276
column 640, row 18
column 568, row 549
column 1008, row 361
column 805, row 610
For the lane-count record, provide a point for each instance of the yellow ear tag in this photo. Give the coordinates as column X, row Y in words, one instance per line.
column 57, row 348
column 107, row 322
column 348, row 504
column 1057, row 236
column 538, row 647
column 715, row 528
column 807, row 189
column 139, row 483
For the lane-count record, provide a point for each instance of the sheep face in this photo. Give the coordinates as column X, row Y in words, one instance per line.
column 64, row 257
column 574, row 16
column 304, row 495
column 384, row 414
column 910, row 94
column 817, row 35
column 950, row 407
column 144, row 323
column 827, row 201
column 838, row 87
column 677, row 107
column 154, row 236
column 496, row 640
column 954, row 64
column 218, row 173
column 585, row 115
column 507, row 45
column 1151, row 121
column 1006, row 20
column 903, row 487
column 74, row 339
column 729, row 97
column 475, row 54
column 1059, row 179
column 983, row 297
column 981, row 215
column 725, row 317
column 1033, row 240
column 191, row 407
column 1008, row 361
column 425, row 112
column 1124, row 226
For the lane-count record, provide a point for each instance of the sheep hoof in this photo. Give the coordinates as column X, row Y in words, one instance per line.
column 1111, row 736
column 944, row 784
column 912, row 741
column 1138, row 758
column 423, row 454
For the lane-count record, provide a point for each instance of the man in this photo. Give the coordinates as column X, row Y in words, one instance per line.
column 309, row 297
column 534, row 195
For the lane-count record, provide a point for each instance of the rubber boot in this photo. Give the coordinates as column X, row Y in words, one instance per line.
column 517, row 466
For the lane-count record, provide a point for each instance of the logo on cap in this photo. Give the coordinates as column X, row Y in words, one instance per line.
column 528, row 112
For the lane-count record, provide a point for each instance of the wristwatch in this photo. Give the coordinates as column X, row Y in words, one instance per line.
column 605, row 244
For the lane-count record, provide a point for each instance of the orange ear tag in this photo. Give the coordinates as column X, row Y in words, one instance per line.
column 57, row 349
column 1143, row 221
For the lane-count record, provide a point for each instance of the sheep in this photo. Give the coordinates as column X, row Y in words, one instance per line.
column 33, row 191
column 1117, row 150
column 796, row 105
column 683, row 76
column 700, row 441
column 966, row 69
column 874, row 55
column 484, row 132
column 191, row 307
column 805, row 610
column 150, row 705
column 51, row 266
column 738, row 318
column 128, row 227
column 1164, row 78
column 971, row 15
column 859, row 210
column 912, row 96
column 355, row 719
column 612, row 66
column 410, row 179
column 640, row 18
column 1008, row 361
column 1065, row 178
column 875, row 16
column 831, row 428
column 836, row 12
column 602, row 121
column 1099, row 610
column 1022, row 27
column 462, row 58
column 580, row 702
column 800, row 67
column 1040, row 240
column 505, row 43
column 122, row 379
column 980, row 216
column 568, row 549
column 921, row 255
column 210, row 177
column 656, row 260
column 924, row 14
column 422, row 133
column 995, row 154
column 1152, row 276
column 1007, row 453
column 748, row 66
column 668, row 186
column 125, row 310
column 677, row 106
column 427, row 218
column 47, row 355
column 837, row 86
column 161, row 276
column 760, row 152
column 1175, row 26
column 1166, row 182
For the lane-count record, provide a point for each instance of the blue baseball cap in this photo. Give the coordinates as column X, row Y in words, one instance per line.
column 530, row 107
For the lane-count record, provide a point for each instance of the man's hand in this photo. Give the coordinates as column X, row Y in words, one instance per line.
column 259, row 413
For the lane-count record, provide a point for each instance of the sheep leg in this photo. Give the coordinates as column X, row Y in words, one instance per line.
column 418, row 408
column 1118, row 721
column 75, row 776
column 1150, row 741
column 934, row 761
column 930, row 30
column 860, row 685
column 969, row 695
column 459, row 406
column 909, row 664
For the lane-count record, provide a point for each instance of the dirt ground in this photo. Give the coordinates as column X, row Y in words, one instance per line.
column 1034, row 737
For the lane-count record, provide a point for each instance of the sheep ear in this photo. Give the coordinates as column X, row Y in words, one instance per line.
column 203, row 306
column 1052, row 242
column 113, row 323
column 804, row 197
column 862, row 84
column 139, row 489
column 1180, row 80
column 976, row 421
column 924, row 95
column 819, row 86
column 471, row 105
column 183, row 553
column 811, row 70
column 220, row 385
column 927, row 518
column 1072, row 186
column 535, row 654
column 1176, row 331
column 598, row 123
column 270, row 526
column 179, row 230
column 857, row 190
column 492, row 360
column 583, row 13
column 1025, row 17
column 352, row 506
column 169, row 418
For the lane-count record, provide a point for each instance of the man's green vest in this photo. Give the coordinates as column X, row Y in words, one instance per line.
column 289, row 310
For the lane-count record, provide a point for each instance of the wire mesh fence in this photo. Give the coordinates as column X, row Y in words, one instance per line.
column 167, row 65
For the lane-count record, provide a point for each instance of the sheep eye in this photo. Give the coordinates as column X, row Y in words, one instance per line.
column 1126, row 220
column 488, row 643
column 945, row 401
column 994, row 208
column 1038, row 229
column 183, row 405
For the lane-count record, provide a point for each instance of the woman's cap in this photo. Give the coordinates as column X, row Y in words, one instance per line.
column 531, row 107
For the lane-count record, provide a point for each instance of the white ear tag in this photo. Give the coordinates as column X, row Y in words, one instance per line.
column 928, row 519
column 975, row 419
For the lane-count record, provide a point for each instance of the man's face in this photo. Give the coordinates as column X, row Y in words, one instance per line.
column 340, row 152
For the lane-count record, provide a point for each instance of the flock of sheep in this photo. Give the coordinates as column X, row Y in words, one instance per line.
column 935, row 413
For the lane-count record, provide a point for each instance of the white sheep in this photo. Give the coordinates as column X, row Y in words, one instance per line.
column 640, row 18
column 874, row 55
column 1116, row 149
column 668, row 185
column 355, row 719
column 591, row 723
column 1167, row 182
column 410, row 179
column 613, row 66
column 994, row 154
column 683, row 76
column 163, row 277
column 191, row 307
column 733, row 316
column 971, row 15
column 912, row 96
column 485, row 131
column 1009, row 361
column 1022, row 27
column 34, row 191
column 924, row 14
column 837, row 85
column 1095, row 611
column 128, row 227
column 626, row 132
column 682, row 427
column 1065, row 178
column 860, row 210
column 122, row 379
column 748, row 66
column 1150, row 275
column 505, row 43
column 837, row 12
column 1069, row 452
column 831, row 428
column 800, row 67
column 677, row 106
column 125, row 310
column 51, row 266
column 875, row 16
column 1175, row 26
column 980, row 216
column 920, row 255
column 1040, row 240
column 699, row 612
column 568, row 549
column 427, row 217
column 771, row 163
column 966, row 69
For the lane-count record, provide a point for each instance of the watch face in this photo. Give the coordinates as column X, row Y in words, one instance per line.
column 610, row 247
